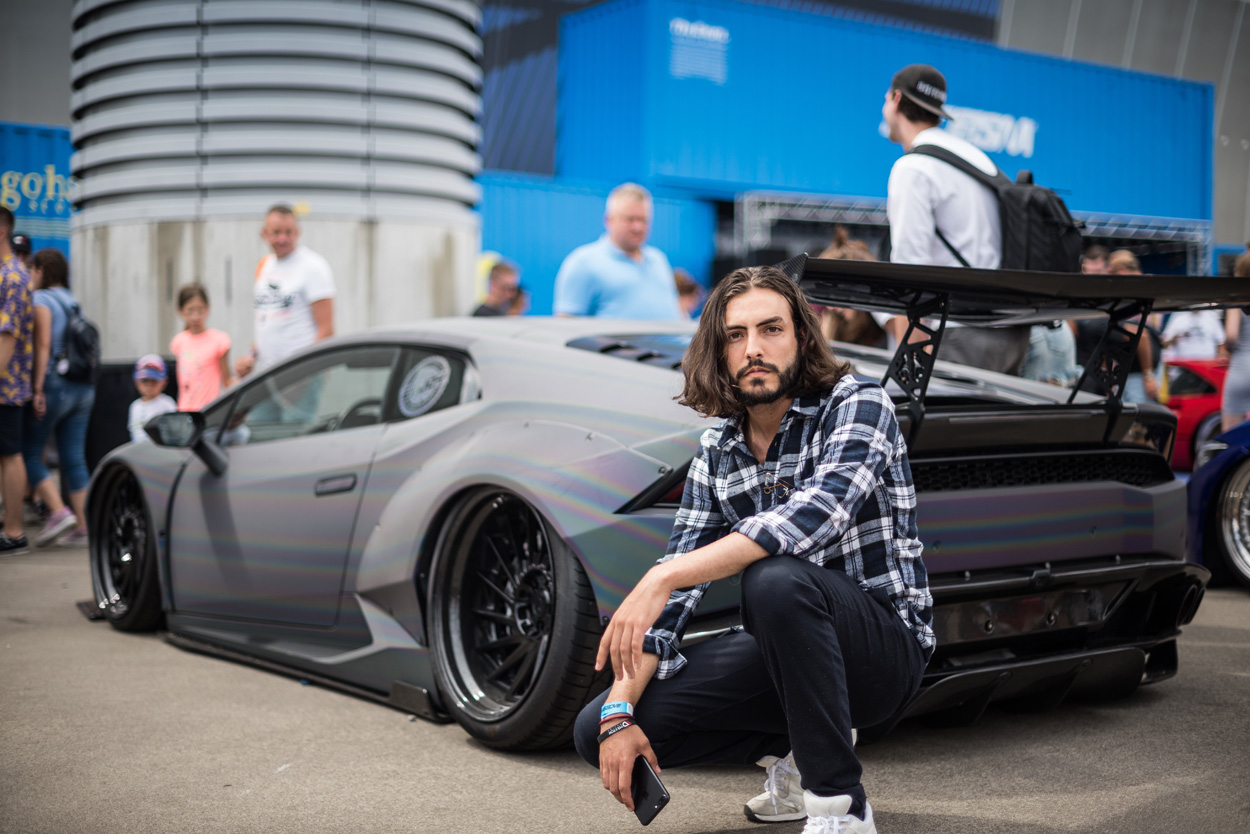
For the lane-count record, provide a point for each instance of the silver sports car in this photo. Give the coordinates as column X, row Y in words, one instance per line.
column 442, row 517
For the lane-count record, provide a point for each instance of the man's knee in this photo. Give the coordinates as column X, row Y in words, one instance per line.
column 772, row 586
column 586, row 732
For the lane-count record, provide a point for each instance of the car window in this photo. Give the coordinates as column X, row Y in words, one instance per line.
column 1182, row 381
column 332, row 391
column 430, row 380
column 215, row 417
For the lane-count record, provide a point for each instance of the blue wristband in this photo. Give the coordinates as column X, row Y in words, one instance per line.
column 616, row 708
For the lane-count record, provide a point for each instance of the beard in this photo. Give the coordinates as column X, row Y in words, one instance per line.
column 750, row 394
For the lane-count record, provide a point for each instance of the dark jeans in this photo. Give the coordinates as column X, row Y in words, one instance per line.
column 818, row 657
column 68, row 413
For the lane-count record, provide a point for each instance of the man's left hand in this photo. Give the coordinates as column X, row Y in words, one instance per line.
column 622, row 639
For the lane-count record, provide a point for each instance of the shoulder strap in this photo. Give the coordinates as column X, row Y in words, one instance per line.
column 951, row 247
column 996, row 182
column 70, row 312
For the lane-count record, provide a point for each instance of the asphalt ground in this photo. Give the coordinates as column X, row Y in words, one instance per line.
column 104, row 731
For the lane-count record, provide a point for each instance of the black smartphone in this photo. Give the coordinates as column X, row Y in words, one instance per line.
column 648, row 792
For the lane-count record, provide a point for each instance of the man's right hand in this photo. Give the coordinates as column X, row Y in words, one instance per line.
column 243, row 366
column 616, row 760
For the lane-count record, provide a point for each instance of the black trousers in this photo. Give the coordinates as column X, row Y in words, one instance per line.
column 818, row 656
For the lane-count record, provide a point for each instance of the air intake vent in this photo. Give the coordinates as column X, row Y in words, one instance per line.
column 1130, row 467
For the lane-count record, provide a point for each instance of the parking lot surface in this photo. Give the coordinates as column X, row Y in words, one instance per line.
column 101, row 730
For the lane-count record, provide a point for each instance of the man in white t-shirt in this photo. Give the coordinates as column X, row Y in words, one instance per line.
column 927, row 196
column 1193, row 334
column 293, row 295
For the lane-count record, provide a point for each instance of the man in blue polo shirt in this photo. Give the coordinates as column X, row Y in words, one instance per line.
column 618, row 276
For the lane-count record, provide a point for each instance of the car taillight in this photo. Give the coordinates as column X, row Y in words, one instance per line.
column 673, row 496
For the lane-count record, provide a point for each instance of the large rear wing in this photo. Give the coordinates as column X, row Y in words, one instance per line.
column 931, row 296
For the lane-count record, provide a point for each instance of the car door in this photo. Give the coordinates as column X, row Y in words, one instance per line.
column 268, row 538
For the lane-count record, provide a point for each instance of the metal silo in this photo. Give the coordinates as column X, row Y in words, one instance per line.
column 191, row 117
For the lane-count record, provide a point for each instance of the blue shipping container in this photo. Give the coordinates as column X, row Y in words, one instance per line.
column 536, row 221
column 717, row 97
column 35, row 181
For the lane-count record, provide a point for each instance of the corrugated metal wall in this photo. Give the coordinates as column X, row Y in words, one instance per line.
column 519, row 59
column 197, row 108
column 536, row 221
column 721, row 114
column 1203, row 40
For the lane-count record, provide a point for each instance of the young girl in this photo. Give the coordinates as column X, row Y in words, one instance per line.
column 203, row 354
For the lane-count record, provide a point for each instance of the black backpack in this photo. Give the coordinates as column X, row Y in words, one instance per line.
column 80, row 351
column 1038, row 232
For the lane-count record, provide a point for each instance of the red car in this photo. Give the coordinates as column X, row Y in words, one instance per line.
column 1195, row 387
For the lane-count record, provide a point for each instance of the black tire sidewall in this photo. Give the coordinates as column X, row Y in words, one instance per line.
column 529, row 725
column 143, row 612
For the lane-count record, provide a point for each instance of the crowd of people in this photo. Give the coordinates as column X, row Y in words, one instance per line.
column 43, row 398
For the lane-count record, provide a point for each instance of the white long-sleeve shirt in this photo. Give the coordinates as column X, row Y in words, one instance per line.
column 926, row 194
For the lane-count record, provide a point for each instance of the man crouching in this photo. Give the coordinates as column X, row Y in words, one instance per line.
column 806, row 490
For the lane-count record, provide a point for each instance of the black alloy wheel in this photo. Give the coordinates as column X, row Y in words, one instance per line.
column 514, row 625
column 123, row 554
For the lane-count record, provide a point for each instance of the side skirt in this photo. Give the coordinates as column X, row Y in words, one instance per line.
column 403, row 696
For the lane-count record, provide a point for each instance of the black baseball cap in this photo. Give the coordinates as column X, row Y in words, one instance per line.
column 924, row 85
column 20, row 243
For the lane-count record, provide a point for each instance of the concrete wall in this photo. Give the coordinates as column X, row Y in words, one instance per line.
column 127, row 275
column 1204, row 40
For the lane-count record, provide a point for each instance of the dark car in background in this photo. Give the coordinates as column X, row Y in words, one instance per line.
column 441, row 517
column 1219, row 506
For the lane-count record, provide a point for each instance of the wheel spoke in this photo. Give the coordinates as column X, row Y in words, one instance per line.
column 518, row 654
column 499, row 557
column 500, row 592
column 500, row 643
column 523, row 674
column 487, row 614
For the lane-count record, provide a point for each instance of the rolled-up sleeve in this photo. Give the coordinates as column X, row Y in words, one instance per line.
column 699, row 522
column 860, row 436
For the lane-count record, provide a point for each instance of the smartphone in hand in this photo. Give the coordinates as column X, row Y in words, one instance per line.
column 647, row 791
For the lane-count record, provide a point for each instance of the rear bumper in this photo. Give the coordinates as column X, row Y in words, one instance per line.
column 1041, row 634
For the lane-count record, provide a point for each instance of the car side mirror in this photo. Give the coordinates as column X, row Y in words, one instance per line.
column 185, row 430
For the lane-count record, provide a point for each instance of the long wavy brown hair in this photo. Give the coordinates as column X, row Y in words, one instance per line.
column 709, row 387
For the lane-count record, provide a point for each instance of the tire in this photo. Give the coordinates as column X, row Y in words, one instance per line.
column 122, row 551
column 514, row 625
column 1231, row 523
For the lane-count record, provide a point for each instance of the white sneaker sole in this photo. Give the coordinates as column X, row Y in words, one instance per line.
column 47, row 537
column 791, row 817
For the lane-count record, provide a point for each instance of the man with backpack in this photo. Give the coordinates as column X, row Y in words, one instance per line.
column 941, row 215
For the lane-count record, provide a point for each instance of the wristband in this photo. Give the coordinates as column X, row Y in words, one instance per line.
column 614, row 708
column 614, row 729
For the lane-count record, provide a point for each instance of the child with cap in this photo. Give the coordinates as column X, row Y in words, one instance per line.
column 150, row 377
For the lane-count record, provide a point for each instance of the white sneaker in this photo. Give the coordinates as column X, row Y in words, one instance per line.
column 782, row 799
column 832, row 815
column 58, row 523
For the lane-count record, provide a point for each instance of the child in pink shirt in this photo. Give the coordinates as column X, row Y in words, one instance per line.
column 203, row 354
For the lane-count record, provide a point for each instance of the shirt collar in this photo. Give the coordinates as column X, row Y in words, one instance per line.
column 618, row 252
column 804, row 407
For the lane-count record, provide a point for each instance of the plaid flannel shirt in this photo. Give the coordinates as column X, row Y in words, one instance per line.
column 835, row 489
